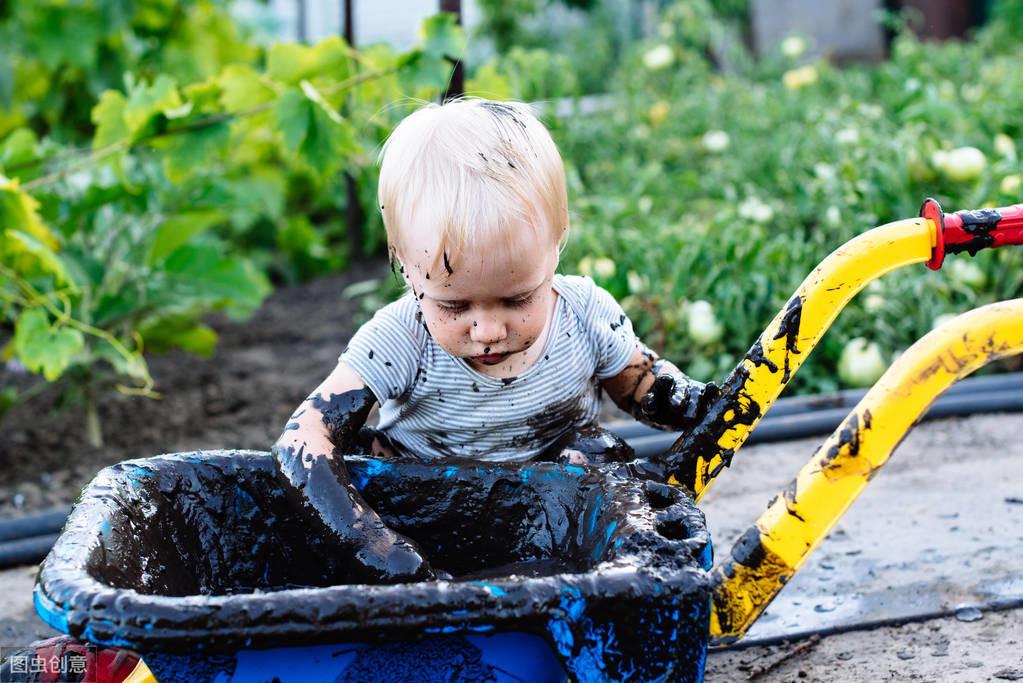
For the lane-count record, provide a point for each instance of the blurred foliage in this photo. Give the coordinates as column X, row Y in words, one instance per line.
column 186, row 194
column 57, row 57
column 698, row 185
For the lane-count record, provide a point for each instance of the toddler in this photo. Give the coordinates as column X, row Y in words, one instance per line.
column 489, row 356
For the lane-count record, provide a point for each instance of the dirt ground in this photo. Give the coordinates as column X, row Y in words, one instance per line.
column 240, row 398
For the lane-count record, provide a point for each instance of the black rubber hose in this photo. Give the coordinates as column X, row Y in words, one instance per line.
column 26, row 550
column 796, row 405
column 36, row 524
column 818, row 422
column 26, row 540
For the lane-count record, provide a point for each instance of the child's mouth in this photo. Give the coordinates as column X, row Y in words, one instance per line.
column 490, row 358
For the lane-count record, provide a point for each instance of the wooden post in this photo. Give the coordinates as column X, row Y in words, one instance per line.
column 354, row 218
column 301, row 20
column 456, row 88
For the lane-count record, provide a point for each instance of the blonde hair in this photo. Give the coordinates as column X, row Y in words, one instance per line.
column 471, row 171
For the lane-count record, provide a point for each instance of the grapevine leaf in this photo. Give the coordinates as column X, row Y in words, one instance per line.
column 146, row 101
column 291, row 63
column 442, row 36
column 8, row 398
column 193, row 151
column 6, row 80
column 134, row 365
column 292, row 114
column 42, row 349
column 260, row 192
column 66, row 35
column 242, row 88
column 183, row 332
column 178, row 230
column 490, row 83
column 18, row 244
column 203, row 272
column 419, row 69
column 205, row 96
column 19, row 211
column 19, row 147
column 313, row 131
column 108, row 115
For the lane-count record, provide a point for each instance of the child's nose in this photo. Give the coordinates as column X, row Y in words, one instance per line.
column 488, row 329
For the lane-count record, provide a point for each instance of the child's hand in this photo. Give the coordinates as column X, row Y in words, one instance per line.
column 318, row 484
column 676, row 402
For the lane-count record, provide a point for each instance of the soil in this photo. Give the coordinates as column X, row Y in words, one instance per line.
column 240, row 398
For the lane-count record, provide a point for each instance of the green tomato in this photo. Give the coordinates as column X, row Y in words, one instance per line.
column 962, row 164
column 702, row 325
column 861, row 363
column 967, row 273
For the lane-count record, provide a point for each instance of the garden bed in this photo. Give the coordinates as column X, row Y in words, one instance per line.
column 240, row 398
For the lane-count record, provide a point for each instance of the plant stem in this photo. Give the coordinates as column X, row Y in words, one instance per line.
column 93, row 428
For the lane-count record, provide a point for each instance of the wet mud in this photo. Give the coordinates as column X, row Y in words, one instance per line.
column 318, row 486
column 731, row 407
column 203, row 550
column 979, row 224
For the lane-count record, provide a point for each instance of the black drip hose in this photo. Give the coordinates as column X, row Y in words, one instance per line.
column 27, row 539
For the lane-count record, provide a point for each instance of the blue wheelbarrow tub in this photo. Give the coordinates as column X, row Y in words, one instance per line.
column 198, row 562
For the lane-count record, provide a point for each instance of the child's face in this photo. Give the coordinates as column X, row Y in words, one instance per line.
column 490, row 309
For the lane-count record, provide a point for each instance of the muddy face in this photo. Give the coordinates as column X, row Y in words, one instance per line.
column 489, row 305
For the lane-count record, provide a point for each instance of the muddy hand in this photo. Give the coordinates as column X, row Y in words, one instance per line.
column 319, row 486
column 675, row 402
column 391, row 557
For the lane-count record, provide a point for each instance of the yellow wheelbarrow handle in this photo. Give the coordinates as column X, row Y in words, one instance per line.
column 799, row 517
column 700, row 455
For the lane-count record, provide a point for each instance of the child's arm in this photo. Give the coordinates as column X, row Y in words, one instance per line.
column 310, row 466
column 657, row 393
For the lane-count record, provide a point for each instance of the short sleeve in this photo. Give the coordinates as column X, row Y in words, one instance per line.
column 614, row 341
column 386, row 351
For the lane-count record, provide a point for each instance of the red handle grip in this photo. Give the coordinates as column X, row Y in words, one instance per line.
column 972, row 231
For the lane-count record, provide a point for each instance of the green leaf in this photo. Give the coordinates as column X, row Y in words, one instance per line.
column 19, row 244
column 178, row 230
column 242, row 88
column 108, row 115
column 418, row 69
column 42, row 349
column 20, row 211
column 18, row 148
column 205, row 96
column 442, row 36
column 132, row 365
column 260, row 192
column 146, row 101
column 6, row 80
column 115, row 306
column 182, row 332
column 8, row 398
column 193, row 151
column 205, row 274
column 291, row 63
column 66, row 35
column 490, row 83
column 313, row 131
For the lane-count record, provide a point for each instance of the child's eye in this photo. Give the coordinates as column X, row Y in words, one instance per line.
column 452, row 307
column 516, row 303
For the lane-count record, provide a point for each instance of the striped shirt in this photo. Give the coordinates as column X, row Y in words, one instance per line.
column 437, row 406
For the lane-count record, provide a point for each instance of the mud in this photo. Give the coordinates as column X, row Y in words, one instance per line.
column 979, row 224
column 608, row 570
column 730, row 406
column 789, row 330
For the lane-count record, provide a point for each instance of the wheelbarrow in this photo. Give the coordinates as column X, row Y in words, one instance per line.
column 190, row 567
